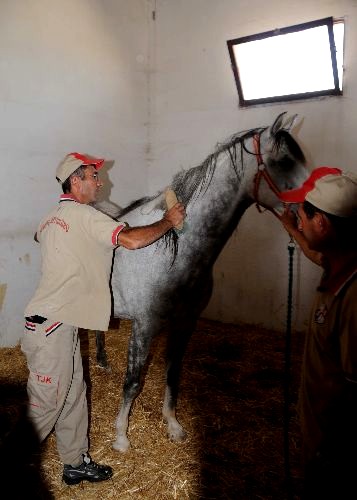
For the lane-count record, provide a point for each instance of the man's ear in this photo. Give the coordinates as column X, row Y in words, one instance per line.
column 322, row 222
column 74, row 180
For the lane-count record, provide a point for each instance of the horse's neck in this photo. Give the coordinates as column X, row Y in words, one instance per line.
column 214, row 214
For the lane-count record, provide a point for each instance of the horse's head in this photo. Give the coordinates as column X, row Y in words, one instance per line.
column 280, row 163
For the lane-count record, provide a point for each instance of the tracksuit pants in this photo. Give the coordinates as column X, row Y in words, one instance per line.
column 55, row 387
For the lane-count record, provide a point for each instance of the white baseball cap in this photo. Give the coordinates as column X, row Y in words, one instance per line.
column 329, row 189
column 73, row 161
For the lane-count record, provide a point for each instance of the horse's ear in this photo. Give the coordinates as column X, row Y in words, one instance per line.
column 280, row 123
column 277, row 125
column 290, row 122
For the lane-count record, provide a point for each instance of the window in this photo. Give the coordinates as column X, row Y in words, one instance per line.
column 297, row 62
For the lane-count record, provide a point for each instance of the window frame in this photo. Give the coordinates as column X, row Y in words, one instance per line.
column 336, row 91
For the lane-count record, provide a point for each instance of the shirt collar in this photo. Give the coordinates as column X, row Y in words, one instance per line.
column 67, row 197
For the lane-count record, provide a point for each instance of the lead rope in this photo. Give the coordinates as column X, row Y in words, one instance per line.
column 287, row 377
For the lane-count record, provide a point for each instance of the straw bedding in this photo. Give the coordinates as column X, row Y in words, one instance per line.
column 231, row 404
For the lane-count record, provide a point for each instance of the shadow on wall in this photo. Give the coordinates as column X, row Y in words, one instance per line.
column 20, row 455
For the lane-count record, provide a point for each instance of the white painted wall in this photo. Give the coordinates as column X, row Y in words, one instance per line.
column 74, row 77
column 153, row 96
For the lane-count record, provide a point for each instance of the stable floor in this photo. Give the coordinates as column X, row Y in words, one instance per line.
column 234, row 403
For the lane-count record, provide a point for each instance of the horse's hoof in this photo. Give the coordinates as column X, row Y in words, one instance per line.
column 104, row 366
column 176, row 434
column 121, row 444
column 102, row 361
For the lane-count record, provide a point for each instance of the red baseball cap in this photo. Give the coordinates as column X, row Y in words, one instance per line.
column 73, row 161
column 299, row 195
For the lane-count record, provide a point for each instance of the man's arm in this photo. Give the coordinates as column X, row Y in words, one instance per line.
column 141, row 236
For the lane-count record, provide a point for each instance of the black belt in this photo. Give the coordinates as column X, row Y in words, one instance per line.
column 36, row 319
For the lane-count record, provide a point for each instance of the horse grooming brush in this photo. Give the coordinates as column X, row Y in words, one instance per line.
column 171, row 200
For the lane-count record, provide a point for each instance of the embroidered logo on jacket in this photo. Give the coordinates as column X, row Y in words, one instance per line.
column 43, row 379
column 55, row 220
column 320, row 314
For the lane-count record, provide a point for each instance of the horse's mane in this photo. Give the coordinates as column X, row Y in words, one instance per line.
column 190, row 183
column 193, row 182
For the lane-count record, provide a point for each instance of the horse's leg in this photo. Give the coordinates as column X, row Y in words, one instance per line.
column 183, row 324
column 101, row 356
column 180, row 334
column 138, row 350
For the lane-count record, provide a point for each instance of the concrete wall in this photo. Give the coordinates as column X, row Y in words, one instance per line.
column 148, row 85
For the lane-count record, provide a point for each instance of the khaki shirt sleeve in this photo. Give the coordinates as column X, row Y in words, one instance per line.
column 103, row 228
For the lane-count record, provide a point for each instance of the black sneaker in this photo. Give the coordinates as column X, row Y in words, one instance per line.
column 87, row 471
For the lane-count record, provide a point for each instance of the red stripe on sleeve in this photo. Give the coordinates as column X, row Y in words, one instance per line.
column 115, row 234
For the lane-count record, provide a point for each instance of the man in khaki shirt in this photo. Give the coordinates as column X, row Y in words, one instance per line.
column 326, row 230
column 77, row 243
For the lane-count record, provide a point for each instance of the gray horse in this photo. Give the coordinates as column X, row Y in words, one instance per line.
column 169, row 283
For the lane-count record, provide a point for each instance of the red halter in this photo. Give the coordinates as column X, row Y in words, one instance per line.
column 262, row 173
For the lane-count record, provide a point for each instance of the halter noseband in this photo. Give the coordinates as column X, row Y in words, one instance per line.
column 262, row 173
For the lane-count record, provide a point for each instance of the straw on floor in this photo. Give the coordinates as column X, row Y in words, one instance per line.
column 231, row 404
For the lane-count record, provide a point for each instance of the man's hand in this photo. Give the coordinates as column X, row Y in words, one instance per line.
column 171, row 201
column 176, row 215
column 141, row 236
column 289, row 220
